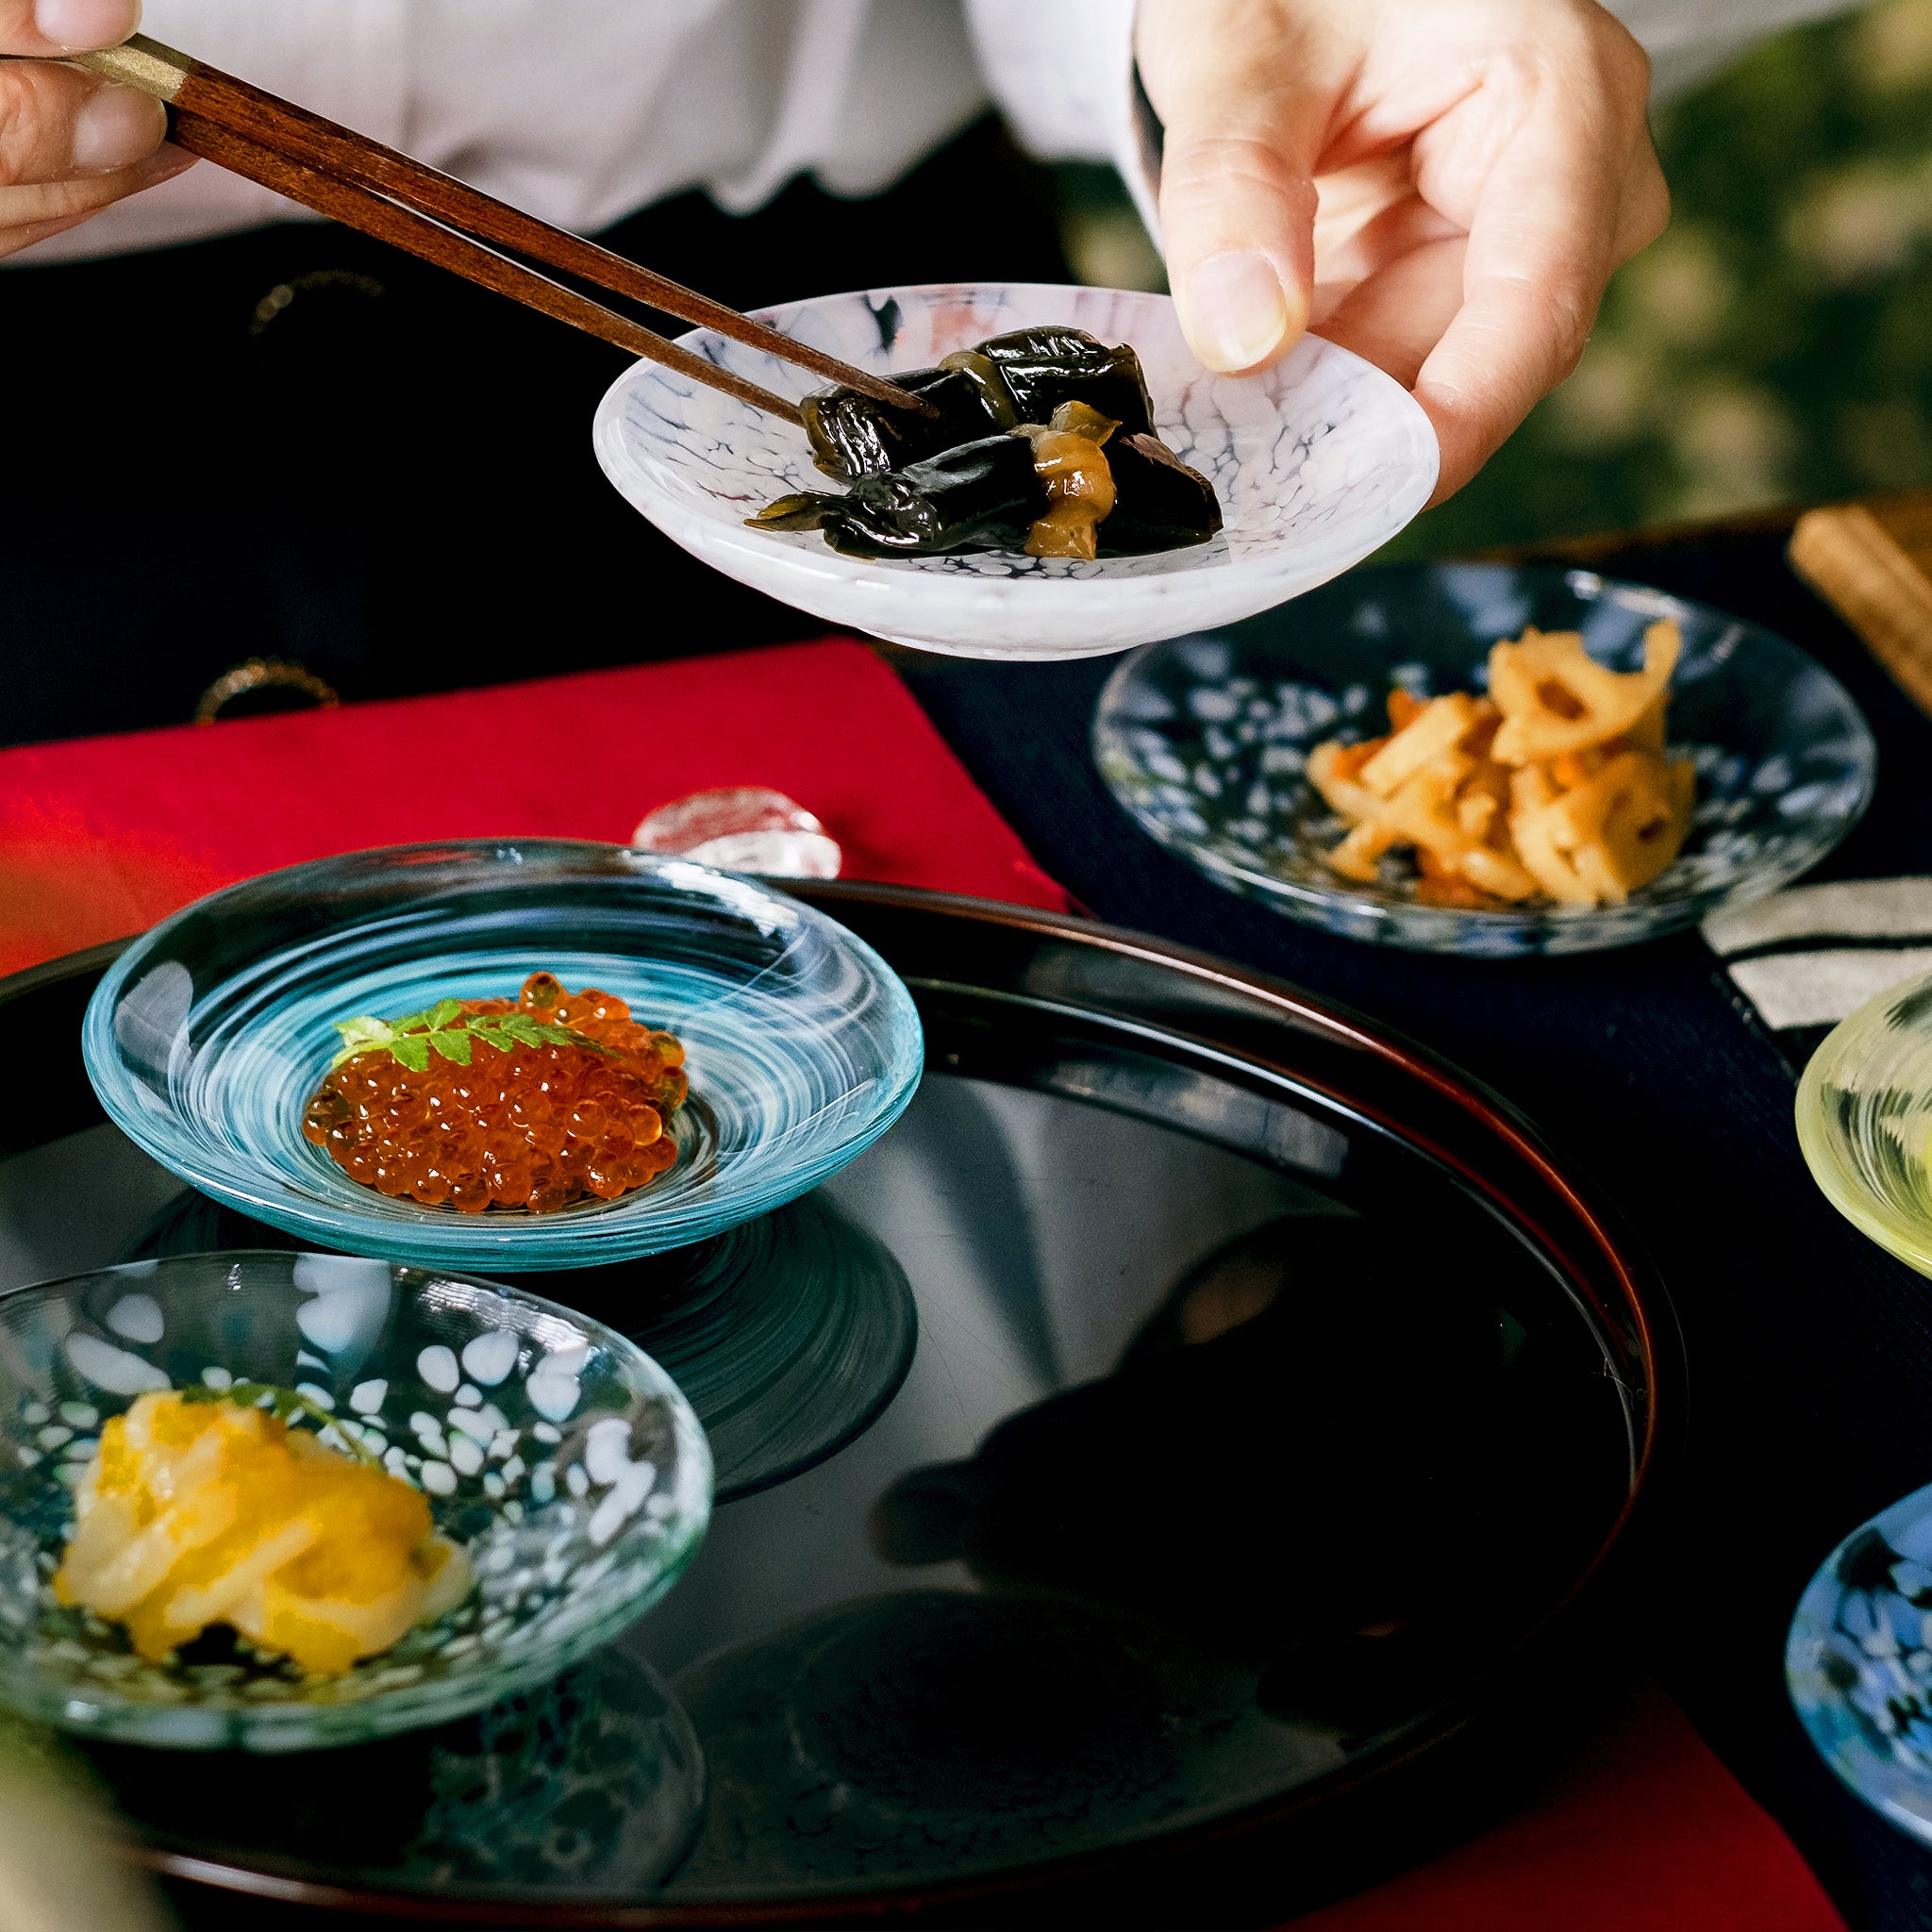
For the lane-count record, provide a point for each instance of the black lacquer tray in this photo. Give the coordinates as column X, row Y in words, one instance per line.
column 1199, row 1405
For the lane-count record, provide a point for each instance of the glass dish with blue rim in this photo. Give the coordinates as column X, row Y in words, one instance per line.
column 208, row 1035
column 1859, row 1662
column 1204, row 741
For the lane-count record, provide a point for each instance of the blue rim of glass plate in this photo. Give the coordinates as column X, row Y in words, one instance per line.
column 1860, row 1668
column 716, row 1189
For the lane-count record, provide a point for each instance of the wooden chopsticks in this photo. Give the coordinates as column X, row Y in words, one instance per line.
column 366, row 185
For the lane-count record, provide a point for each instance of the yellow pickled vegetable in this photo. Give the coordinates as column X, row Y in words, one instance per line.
column 196, row 1512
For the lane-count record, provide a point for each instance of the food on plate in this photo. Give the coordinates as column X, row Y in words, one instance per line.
column 201, row 1507
column 1010, row 380
column 533, row 1103
column 1555, row 784
column 1044, row 442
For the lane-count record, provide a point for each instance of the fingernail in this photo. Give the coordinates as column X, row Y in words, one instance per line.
column 1237, row 311
column 82, row 24
column 117, row 126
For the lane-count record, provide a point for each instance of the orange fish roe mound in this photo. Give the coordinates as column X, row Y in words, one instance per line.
column 538, row 1126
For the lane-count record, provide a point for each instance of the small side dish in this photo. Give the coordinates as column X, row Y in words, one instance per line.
column 571, row 1101
column 1556, row 785
column 1042, row 442
column 202, row 1507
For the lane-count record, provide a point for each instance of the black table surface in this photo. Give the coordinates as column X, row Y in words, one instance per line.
column 1809, row 1350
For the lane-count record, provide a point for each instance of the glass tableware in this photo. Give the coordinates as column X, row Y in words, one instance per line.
column 1865, row 1120
column 206, row 1037
column 558, row 1453
column 1317, row 461
column 743, row 828
column 1137, row 1183
column 1204, row 742
column 1859, row 1668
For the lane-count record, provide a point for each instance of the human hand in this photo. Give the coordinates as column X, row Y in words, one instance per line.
column 69, row 144
column 1443, row 188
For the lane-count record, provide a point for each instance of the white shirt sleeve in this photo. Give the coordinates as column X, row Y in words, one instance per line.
column 1062, row 73
column 581, row 111
column 585, row 110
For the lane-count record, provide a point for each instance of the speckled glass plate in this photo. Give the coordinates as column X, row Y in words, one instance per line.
column 1204, row 741
column 557, row 1453
column 1859, row 1662
column 1317, row 461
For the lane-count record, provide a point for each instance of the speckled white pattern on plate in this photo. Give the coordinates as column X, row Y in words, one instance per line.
column 1317, row 461
column 560, row 1455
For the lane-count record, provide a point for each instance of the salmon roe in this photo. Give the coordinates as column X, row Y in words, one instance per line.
column 538, row 1128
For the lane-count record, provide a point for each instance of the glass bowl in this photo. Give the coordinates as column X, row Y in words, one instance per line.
column 1865, row 1120
column 207, row 1036
column 562, row 1457
column 1205, row 740
column 1858, row 1666
column 1317, row 461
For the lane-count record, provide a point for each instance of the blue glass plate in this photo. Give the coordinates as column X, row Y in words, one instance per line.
column 1859, row 1662
column 1204, row 741
column 208, row 1035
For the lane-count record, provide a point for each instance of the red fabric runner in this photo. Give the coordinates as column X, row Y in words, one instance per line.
column 100, row 837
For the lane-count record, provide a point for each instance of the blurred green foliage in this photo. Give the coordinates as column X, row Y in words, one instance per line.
column 1774, row 346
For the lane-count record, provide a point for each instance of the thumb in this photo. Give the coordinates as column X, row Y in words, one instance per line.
column 1236, row 175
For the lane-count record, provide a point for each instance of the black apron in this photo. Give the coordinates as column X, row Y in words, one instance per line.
column 298, row 444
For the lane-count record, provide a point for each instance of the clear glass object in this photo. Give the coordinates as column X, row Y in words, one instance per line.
column 743, row 828
column 1865, row 1120
column 563, row 1459
column 1204, row 742
column 209, row 1033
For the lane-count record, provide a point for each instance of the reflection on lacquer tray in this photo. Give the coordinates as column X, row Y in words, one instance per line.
column 1290, row 1524
column 588, row 1785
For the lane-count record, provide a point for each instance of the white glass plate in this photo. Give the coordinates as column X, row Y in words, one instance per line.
column 1317, row 461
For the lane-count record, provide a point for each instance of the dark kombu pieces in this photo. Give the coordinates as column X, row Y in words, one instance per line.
column 853, row 436
column 1013, row 459
column 982, row 495
column 1042, row 368
column 1155, row 496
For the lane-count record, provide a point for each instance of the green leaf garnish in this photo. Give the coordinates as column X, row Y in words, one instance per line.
column 453, row 1044
column 285, row 1405
column 413, row 1051
column 450, row 1032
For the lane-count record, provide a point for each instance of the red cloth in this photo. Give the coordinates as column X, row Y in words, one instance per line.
column 101, row 837
column 1645, row 1832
